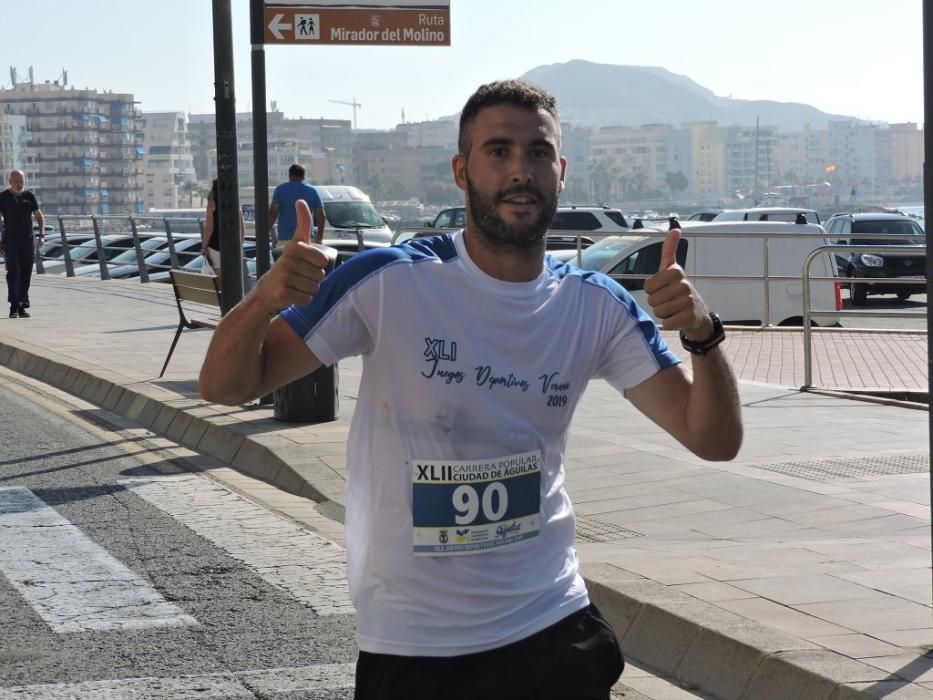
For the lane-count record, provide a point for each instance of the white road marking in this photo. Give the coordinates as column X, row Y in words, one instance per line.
column 243, row 684
column 309, row 567
column 71, row 582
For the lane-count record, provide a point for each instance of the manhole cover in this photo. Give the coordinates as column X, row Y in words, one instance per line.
column 830, row 469
column 593, row 530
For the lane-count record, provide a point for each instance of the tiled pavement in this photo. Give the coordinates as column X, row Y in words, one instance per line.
column 799, row 570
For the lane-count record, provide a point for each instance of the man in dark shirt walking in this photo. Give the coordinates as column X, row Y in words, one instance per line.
column 17, row 243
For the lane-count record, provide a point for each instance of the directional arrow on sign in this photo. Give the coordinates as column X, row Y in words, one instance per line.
column 276, row 25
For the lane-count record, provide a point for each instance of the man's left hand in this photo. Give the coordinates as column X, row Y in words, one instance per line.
column 673, row 299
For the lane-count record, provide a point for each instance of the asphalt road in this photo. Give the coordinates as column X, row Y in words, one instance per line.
column 126, row 578
column 102, row 585
column 887, row 302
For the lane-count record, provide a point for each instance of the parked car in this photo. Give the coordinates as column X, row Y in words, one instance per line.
column 704, row 215
column 54, row 248
column 125, row 264
column 186, row 249
column 87, row 252
column 904, row 230
column 731, row 257
column 598, row 220
column 192, row 261
column 454, row 217
column 595, row 221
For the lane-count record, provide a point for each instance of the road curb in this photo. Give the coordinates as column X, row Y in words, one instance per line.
column 192, row 423
column 716, row 651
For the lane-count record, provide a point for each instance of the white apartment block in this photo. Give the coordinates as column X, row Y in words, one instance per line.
column 167, row 166
column 908, row 151
column 639, row 158
column 14, row 153
column 750, row 167
column 86, row 146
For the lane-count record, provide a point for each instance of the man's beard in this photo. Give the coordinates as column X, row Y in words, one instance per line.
column 527, row 236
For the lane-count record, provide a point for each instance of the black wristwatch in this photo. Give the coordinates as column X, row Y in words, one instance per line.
column 702, row 347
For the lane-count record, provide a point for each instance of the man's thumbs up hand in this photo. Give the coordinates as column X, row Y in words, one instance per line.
column 302, row 221
column 673, row 300
column 669, row 249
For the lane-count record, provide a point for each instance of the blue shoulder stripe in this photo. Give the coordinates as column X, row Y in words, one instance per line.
column 646, row 325
column 357, row 270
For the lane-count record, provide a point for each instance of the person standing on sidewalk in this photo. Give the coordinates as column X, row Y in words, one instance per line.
column 17, row 242
column 476, row 348
column 210, row 238
column 283, row 206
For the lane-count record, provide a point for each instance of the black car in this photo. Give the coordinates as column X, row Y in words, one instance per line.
column 903, row 230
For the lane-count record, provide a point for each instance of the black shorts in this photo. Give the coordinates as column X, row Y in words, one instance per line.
column 578, row 658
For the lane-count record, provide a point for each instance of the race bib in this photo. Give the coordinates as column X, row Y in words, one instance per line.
column 468, row 507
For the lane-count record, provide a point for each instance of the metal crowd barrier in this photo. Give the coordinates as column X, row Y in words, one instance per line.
column 809, row 313
column 98, row 226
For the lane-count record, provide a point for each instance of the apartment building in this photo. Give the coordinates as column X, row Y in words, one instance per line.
column 907, row 142
column 279, row 156
column 86, row 145
column 439, row 133
column 802, row 157
column 167, row 171
column 749, row 165
column 14, row 153
column 328, row 142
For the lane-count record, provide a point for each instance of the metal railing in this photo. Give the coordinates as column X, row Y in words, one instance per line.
column 137, row 228
column 809, row 313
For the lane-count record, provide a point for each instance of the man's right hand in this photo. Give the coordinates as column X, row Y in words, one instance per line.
column 294, row 279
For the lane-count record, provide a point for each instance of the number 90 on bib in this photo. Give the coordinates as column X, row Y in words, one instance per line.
column 468, row 507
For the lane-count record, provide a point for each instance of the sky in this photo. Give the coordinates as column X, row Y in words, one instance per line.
column 861, row 58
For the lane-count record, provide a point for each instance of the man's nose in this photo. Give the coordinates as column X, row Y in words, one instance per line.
column 520, row 169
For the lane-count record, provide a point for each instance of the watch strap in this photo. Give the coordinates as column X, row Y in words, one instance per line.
column 702, row 347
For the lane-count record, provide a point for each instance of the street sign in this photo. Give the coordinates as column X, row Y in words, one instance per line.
column 370, row 23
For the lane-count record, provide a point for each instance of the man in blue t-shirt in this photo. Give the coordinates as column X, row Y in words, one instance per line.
column 283, row 206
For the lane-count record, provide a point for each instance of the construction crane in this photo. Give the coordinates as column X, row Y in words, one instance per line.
column 356, row 105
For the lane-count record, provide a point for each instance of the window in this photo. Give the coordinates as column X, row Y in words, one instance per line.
column 617, row 217
column 897, row 228
column 646, row 261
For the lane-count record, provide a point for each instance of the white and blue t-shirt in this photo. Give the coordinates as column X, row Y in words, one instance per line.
column 459, row 529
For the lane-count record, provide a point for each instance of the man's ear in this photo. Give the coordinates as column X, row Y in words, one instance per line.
column 458, row 164
column 563, row 173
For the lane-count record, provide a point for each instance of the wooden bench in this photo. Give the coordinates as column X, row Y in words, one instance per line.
column 195, row 288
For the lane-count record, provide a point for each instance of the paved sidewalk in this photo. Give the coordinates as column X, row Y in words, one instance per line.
column 799, row 570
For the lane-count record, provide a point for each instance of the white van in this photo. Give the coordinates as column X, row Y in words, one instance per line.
column 347, row 210
column 737, row 301
column 789, row 214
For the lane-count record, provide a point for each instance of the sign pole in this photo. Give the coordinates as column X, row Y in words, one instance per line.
column 227, row 212
column 928, row 202
column 260, row 137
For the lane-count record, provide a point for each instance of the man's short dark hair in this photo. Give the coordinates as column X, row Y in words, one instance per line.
column 296, row 171
column 513, row 92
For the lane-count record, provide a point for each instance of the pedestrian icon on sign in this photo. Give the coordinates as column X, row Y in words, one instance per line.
column 307, row 27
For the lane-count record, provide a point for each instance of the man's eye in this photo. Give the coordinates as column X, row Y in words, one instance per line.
column 498, row 152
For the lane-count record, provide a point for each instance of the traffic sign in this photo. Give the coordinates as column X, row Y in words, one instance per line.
column 388, row 23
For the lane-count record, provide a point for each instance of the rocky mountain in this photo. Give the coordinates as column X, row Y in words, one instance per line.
column 595, row 94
